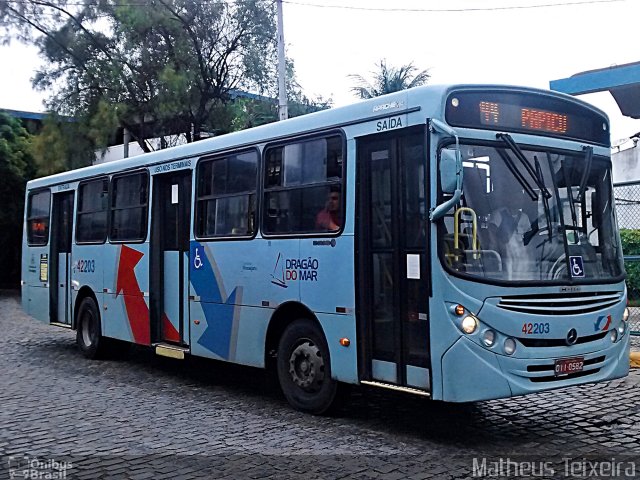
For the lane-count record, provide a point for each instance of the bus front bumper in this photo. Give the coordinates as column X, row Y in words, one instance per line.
column 473, row 373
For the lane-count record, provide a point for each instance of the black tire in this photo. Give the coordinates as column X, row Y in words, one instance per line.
column 88, row 335
column 304, row 368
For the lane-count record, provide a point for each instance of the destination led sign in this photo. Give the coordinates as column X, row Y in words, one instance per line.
column 528, row 113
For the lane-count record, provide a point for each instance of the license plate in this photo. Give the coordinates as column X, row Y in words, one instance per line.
column 566, row 366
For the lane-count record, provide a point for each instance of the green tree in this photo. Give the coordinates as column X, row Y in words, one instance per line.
column 16, row 167
column 388, row 79
column 162, row 66
column 631, row 246
column 63, row 144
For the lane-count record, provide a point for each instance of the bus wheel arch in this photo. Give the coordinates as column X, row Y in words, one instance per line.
column 284, row 315
column 88, row 324
column 83, row 293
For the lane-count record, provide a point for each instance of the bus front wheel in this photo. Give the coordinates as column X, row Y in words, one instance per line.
column 304, row 368
column 88, row 336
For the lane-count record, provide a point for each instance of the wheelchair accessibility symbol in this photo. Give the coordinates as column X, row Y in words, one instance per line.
column 197, row 261
column 577, row 267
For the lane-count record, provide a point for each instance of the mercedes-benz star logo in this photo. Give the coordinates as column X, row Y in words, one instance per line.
column 572, row 336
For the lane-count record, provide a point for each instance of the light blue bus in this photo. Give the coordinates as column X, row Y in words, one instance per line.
column 457, row 242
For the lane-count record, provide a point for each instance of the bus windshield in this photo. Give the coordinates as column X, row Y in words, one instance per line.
column 535, row 215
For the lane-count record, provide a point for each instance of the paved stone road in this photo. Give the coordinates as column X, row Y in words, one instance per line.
column 143, row 416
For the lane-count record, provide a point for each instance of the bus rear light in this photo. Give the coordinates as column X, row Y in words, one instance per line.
column 345, row 342
column 469, row 324
column 509, row 346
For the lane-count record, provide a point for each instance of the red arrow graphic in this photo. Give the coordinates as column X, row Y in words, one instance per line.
column 169, row 332
column 134, row 304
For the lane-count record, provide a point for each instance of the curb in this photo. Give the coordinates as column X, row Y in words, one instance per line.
column 634, row 359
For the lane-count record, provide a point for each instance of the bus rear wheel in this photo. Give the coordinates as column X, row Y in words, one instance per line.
column 88, row 335
column 304, row 368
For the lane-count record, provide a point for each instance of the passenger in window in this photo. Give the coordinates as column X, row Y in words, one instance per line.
column 329, row 217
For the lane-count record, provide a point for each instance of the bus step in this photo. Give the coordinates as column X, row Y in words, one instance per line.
column 58, row 324
column 397, row 388
column 170, row 351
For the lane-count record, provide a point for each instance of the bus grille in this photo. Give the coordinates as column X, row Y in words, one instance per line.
column 559, row 303
column 559, row 342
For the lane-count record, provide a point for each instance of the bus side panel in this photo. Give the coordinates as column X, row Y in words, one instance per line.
column 35, row 274
column 325, row 273
column 125, row 313
column 344, row 360
column 87, row 270
column 233, row 333
column 226, row 278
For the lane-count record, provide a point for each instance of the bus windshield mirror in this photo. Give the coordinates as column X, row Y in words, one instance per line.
column 513, row 146
column 448, row 171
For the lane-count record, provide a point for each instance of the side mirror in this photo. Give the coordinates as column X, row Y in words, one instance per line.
column 449, row 171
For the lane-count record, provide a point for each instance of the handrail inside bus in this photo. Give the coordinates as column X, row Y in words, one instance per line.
column 474, row 230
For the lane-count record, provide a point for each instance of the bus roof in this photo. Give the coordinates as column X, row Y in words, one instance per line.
column 430, row 99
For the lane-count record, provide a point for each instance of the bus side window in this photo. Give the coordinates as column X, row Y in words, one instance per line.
column 38, row 218
column 301, row 180
column 129, row 207
column 93, row 205
column 226, row 195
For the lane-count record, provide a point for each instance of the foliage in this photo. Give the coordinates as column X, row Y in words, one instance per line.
column 631, row 246
column 16, row 167
column 161, row 67
column 63, row 144
column 387, row 79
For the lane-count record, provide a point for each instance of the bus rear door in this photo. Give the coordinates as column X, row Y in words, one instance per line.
column 60, row 258
column 170, row 219
column 393, row 272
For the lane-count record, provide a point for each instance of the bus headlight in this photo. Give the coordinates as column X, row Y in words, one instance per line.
column 469, row 324
column 614, row 335
column 509, row 346
column 622, row 328
column 625, row 314
column 489, row 338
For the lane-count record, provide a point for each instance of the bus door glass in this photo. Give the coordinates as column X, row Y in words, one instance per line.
column 61, row 233
column 393, row 270
column 170, row 220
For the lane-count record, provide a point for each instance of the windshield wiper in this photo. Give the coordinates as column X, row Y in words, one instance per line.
column 516, row 173
column 506, row 138
column 588, row 157
column 535, row 226
column 569, row 188
column 545, row 200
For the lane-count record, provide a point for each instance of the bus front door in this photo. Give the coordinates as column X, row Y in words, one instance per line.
column 393, row 273
column 169, row 270
column 60, row 260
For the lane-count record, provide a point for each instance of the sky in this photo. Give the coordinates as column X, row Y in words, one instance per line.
column 472, row 41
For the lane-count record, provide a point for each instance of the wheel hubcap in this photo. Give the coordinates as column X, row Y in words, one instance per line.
column 306, row 366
